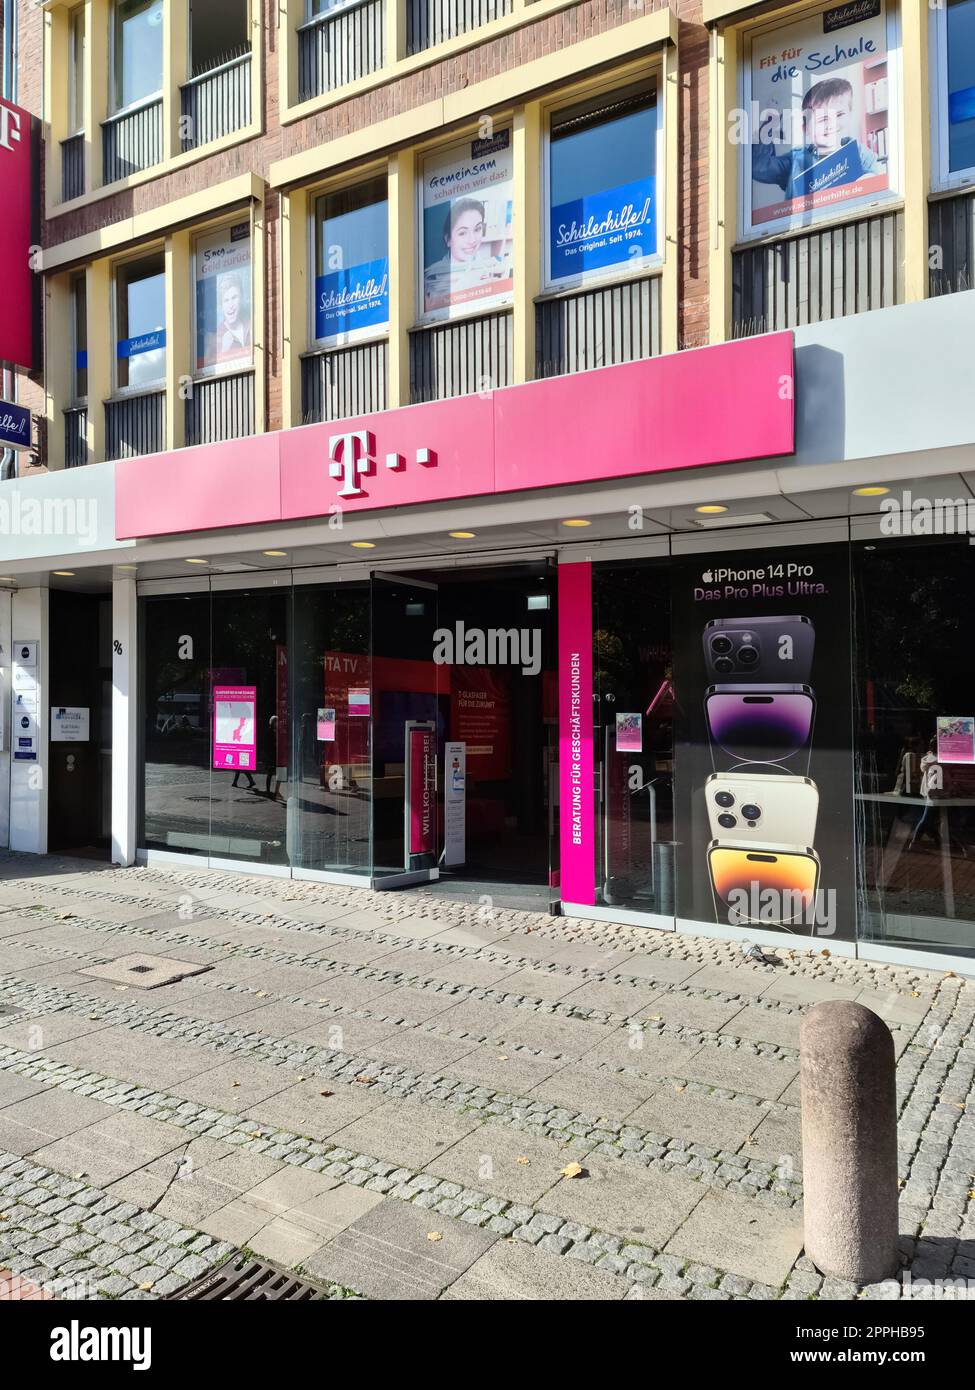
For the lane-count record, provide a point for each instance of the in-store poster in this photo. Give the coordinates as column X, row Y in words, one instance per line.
column 629, row 733
column 468, row 239
column 235, row 727
column 956, row 738
column 352, row 298
column 223, row 298
column 820, row 102
column 325, row 726
column 764, row 800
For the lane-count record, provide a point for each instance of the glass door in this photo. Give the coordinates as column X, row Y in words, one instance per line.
column 402, row 699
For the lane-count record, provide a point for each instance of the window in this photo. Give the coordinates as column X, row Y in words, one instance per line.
column 140, row 308
column 466, row 228
column 138, row 51
column 223, row 302
column 603, row 212
column 79, row 344
column 954, row 123
column 76, row 76
column 218, row 34
column 351, row 263
column 819, row 129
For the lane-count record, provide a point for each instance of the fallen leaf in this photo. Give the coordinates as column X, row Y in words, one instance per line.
column 365, row 1080
column 655, row 1018
column 915, row 994
column 434, row 1235
column 235, row 1083
column 572, row 1170
column 502, row 1057
column 949, row 974
column 146, row 1287
column 525, row 1162
column 326, row 1093
column 824, row 953
column 750, row 1139
column 678, row 1089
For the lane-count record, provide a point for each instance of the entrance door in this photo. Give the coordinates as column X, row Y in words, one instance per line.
column 406, row 684
column 80, row 800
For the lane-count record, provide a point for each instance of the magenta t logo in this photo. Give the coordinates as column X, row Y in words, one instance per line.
column 350, row 459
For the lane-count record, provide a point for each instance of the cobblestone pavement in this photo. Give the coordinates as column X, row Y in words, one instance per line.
column 399, row 1096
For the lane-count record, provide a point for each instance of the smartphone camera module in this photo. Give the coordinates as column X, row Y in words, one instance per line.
column 752, row 813
column 747, row 657
column 725, row 799
column 727, row 821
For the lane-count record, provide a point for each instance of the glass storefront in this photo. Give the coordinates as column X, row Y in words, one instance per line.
column 783, row 735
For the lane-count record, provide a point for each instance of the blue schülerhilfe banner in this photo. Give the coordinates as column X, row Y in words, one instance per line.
column 145, row 342
column 842, row 166
column 603, row 229
column 354, row 298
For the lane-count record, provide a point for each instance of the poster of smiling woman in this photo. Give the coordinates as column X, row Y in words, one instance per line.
column 467, row 253
column 223, row 299
column 820, row 113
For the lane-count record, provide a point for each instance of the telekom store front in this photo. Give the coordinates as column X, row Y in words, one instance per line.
column 683, row 725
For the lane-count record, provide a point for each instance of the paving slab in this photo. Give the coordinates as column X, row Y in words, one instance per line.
column 303, row 1108
column 504, row 1162
column 349, row 1035
column 778, row 1139
column 514, row 1270
column 40, row 1031
column 755, row 1024
column 613, row 997
column 136, row 1057
column 721, row 1124
column 695, row 1011
column 806, row 989
column 54, row 1113
column 14, row 1088
column 402, row 1131
column 532, row 983
column 510, row 1072
column 419, row 1051
column 735, row 1234
column 347, row 990
column 595, row 1091
column 624, row 1201
column 415, row 1005
column 657, row 967
column 741, row 979
column 288, row 1187
column 233, row 1086
column 388, row 1253
column 648, row 1053
column 730, row 1069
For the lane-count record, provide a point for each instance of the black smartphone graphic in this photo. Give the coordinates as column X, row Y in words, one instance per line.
column 767, row 649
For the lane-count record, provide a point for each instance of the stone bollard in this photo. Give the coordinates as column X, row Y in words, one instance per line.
column 849, row 1142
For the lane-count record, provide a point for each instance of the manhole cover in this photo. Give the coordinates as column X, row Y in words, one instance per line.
column 243, row 1277
column 152, row 971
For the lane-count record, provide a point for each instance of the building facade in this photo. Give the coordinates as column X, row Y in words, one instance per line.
column 524, row 445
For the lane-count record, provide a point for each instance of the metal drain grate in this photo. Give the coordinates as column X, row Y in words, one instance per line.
column 140, row 969
column 243, row 1277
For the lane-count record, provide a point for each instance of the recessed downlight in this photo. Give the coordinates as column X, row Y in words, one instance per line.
column 576, row 521
column 363, row 545
column 276, row 554
column 64, row 574
column 711, row 509
column 875, row 490
column 197, row 562
column 463, row 535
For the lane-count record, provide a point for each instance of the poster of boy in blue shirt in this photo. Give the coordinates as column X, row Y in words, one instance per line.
column 830, row 155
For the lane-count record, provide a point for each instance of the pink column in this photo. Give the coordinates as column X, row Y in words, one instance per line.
column 577, row 876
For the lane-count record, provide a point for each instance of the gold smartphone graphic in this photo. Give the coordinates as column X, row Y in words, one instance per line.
column 771, row 886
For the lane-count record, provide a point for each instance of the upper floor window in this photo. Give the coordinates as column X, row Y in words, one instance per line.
column 224, row 328
column 140, row 322
column 351, row 263
column 79, row 335
column 137, row 51
column 954, row 105
column 602, row 195
column 818, row 128
column 218, row 33
column 76, row 74
column 467, row 227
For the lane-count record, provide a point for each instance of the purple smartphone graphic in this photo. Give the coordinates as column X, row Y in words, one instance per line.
column 760, row 723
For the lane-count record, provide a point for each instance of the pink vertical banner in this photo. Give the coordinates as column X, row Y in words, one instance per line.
column 577, row 814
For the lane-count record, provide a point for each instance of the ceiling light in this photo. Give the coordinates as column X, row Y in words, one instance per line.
column 873, row 491
column 363, row 545
column 711, row 509
column 739, row 519
column 64, row 574
column 198, row 562
column 275, row 553
column 576, row 521
column 463, row 535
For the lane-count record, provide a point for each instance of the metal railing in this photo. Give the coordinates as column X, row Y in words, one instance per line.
column 344, row 381
column 216, row 103
column 135, row 425
column 221, row 407
column 72, row 167
column 341, row 45
column 132, row 140
column 597, row 328
column 457, row 359
column 429, row 22
column 951, row 243
column 821, row 274
column 76, row 436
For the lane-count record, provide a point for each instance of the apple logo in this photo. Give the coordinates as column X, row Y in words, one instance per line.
column 707, row 577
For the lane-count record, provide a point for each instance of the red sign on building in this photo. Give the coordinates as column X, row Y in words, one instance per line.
column 17, row 166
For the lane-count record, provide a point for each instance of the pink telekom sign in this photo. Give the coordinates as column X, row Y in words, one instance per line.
column 577, row 816
column 684, row 410
column 17, row 154
column 235, row 727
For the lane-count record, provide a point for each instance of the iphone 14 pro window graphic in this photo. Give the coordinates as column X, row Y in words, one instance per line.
column 763, row 650
column 772, row 886
column 757, row 807
column 760, row 723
